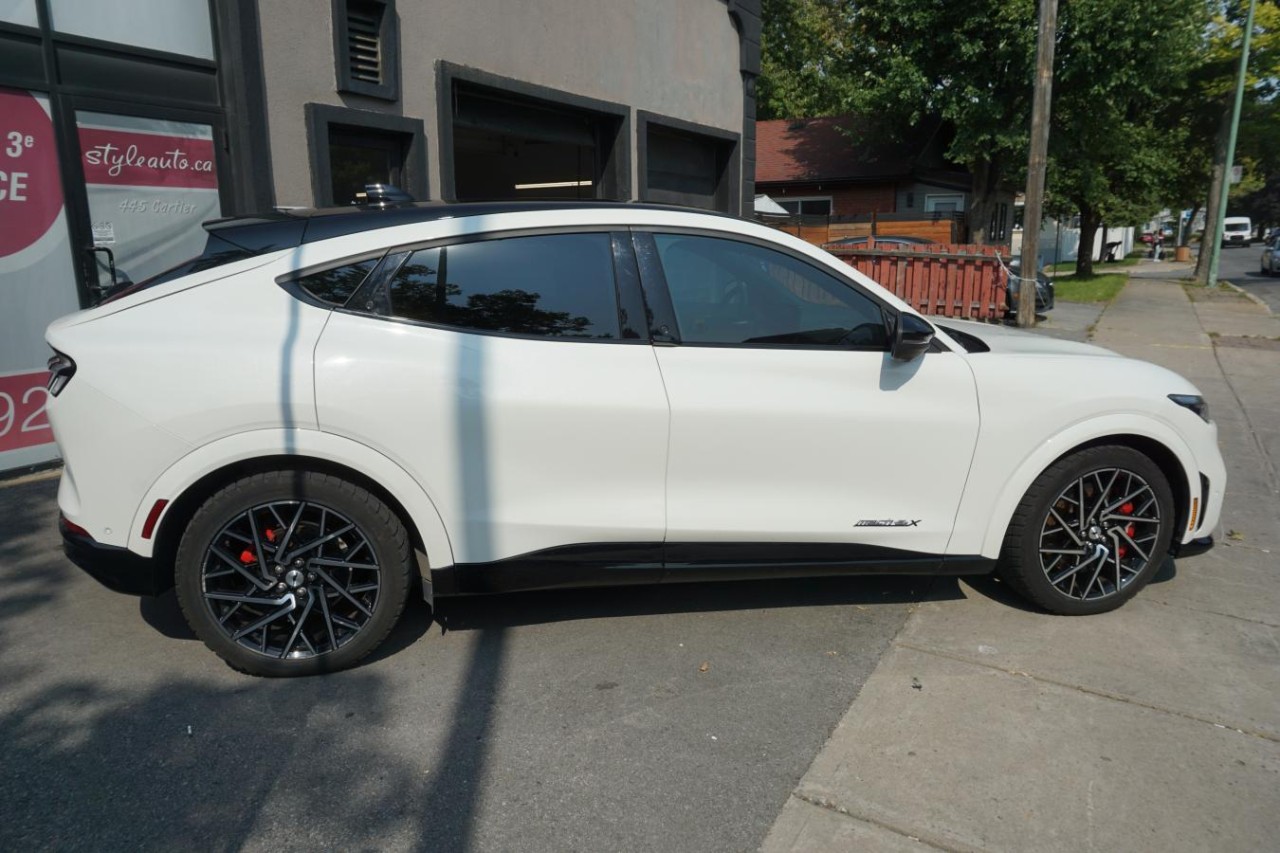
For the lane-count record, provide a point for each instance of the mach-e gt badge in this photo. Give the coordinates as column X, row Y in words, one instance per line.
column 888, row 522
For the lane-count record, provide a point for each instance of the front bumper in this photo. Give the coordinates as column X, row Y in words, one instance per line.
column 117, row 569
column 1193, row 548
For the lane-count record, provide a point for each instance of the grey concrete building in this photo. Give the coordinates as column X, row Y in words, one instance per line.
column 499, row 99
column 125, row 125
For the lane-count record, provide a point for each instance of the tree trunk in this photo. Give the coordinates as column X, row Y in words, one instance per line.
column 1186, row 232
column 1089, row 222
column 1217, row 187
column 1102, row 250
column 982, row 200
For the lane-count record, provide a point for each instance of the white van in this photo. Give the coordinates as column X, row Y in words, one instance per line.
column 1237, row 231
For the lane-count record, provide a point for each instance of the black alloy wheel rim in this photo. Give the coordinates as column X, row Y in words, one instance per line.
column 1099, row 534
column 291, row 579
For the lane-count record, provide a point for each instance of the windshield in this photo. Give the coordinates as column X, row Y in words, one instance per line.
column 1237, row 226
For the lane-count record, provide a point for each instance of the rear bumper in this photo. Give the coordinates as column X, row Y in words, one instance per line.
column 117, row 569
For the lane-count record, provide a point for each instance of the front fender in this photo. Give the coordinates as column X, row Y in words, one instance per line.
column 257, row 444
column 989, row 503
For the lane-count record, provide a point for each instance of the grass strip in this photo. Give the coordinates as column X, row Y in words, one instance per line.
column 1093, row 288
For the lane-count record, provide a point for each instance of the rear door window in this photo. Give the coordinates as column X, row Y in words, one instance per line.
column 547, row 285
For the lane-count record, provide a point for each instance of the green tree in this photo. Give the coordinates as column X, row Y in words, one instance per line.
column 1117, row 136
column 1209, row 103
column 804, row 62
column 970, row 63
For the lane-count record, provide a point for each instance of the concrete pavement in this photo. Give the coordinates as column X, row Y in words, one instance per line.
column 988, row 727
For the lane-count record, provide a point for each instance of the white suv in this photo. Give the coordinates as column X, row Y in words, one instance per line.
column 330, row 408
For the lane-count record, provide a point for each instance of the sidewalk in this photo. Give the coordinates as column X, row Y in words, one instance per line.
column 1156, row 727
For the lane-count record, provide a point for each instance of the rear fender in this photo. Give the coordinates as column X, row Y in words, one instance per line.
column 299, row 444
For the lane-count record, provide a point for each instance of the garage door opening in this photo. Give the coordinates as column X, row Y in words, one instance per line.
column 506, row 147
column 687, row 167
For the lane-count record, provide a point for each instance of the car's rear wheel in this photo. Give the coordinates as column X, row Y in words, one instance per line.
column 293, row 573
column 1090, row 532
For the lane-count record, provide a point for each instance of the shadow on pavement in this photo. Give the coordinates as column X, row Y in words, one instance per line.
column 533, row 608
column 188, row 764
column 992, row 587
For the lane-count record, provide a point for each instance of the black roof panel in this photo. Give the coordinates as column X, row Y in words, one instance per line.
column 286, row 229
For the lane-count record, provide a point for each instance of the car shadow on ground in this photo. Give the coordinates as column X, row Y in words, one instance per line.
column 506, row 610
column 992, row 587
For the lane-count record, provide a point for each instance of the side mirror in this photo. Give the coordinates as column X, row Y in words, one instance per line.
column 912, row 336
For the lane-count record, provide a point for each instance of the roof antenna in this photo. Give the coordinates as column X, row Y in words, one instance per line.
column 382, row 196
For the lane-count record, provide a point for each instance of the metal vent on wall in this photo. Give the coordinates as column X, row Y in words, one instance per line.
column 364, row 41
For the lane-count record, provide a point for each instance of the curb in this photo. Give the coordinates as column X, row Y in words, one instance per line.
column 29, row 476
column 1247, row 295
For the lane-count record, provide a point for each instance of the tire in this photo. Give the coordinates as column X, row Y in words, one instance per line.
column 1047, row 519
column 343, row 584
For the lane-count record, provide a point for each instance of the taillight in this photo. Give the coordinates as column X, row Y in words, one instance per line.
column 61, row 369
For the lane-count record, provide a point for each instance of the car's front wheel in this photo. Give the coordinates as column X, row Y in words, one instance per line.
column 1090, row 532
column 293, row 573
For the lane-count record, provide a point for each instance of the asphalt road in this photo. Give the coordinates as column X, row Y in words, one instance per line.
column 1241, row 267
column 579, row 721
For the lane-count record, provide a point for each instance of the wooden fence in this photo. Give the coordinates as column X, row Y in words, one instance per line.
column 935, row 227
column 949, row 280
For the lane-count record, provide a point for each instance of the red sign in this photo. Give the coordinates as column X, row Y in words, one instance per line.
column 132, row 159
column 23, row 422
column 30, row 193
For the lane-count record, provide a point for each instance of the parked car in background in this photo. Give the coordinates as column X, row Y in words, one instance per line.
column 885, row 242
column 332, row 410
column 1271, row 256
column 1237, row 231
column 1013, row 288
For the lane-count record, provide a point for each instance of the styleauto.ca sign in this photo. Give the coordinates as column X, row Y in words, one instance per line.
column 147, row 159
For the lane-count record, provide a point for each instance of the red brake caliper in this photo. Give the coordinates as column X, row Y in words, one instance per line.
column 1127, row 509
column 246, row 556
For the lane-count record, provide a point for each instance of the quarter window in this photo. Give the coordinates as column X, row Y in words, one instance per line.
column 729, row 292
column 335, row 286
column 553, row 286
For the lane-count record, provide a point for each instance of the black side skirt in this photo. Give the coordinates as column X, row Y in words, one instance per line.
column 620, row 564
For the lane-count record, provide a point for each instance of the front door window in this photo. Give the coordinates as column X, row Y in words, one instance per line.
column 729, row 292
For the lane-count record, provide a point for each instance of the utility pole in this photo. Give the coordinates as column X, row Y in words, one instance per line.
column 1215, row 248
column 1036, row 163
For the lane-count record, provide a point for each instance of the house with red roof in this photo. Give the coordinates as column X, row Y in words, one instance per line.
column 844, row 167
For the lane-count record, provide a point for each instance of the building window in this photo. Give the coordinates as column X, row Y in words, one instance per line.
column 502, row 138
column 687, row 164
column 366, row 48
column 173, row 26
column 352, row 148
column 944, row 203
column 818, row 206
column 999, row 230
column 359, row 157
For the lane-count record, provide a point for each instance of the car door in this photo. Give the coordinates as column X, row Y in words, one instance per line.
column 505, row 375
column 793, row 430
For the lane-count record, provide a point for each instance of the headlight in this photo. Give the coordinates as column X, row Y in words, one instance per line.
column 1194, row 402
